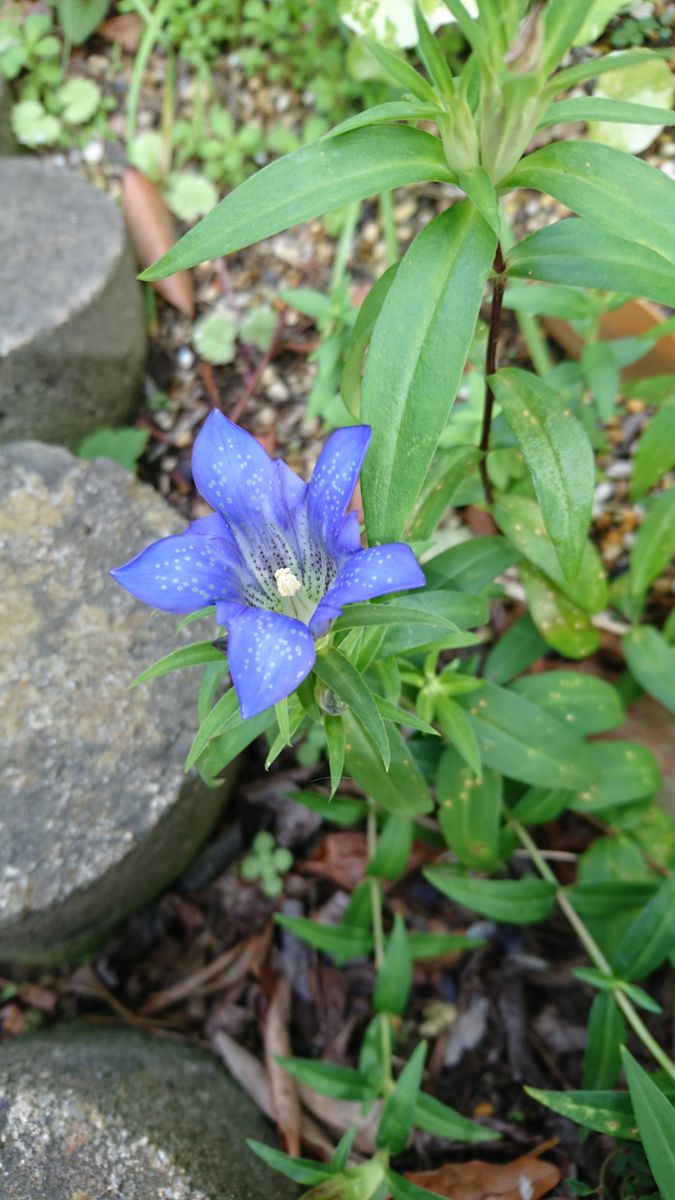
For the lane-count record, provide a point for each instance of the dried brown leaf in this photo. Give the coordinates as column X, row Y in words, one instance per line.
column 153, row 232
column 283, row 1087
column 126, row 30
column 476, row 1180
column 341, row 857
column 250, row 1075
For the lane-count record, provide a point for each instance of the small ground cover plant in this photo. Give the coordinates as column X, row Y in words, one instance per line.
column 318, row 632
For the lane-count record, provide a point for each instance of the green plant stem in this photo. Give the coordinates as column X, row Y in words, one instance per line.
column 150, row 37
column 593, row 950
column 498, row 285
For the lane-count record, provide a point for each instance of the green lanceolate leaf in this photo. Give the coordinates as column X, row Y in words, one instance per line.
column 335, row 744
column 350, row 380
column 458, row 731
column 302, row 1170
column 401, row 716
column 401, row 71
column 586, row 703
column 437, row 945
column 515, row 651
column 393, row 850
column 606, row 1035
column 392, row 110
column 340, row 1083
column 362, row 616
column 655, row 1117
column 338, row 673
column 561, row 623
column 394, row 978
column 540, row 805
column 655, row 543
column 652, row 662
column 402, row 788
column 186, row 656
column 432, row 56
column 305, row 184
column 438, row 286
column 340, row 942
column 341, row 810
column 525, row 742
column 601, row 183
column 559, row 457
column 511, row 901
column 597, row 108
column 224, row 713
column 464, row 610
column 402, row 1188
column 447, row 472
column 471, row 565
column 79, row 18
column 656, row 451
column 481, row 192
column 522, row 522
column 582, row 252
column 592, row 68
column 469, row 809
column 562, row 20
column 602, row 897
column 398, row 1112
column 650, row 940
column 437, row 1118
column 625, row 772
column 602, row 1111
column 613, row 983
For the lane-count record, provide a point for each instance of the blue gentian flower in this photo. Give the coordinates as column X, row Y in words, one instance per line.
column 278, row 557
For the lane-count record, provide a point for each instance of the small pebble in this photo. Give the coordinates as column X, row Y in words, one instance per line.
column 621, row 469
column 185, row 358
column 601, row 495
column 278, row 392
column 92, row 153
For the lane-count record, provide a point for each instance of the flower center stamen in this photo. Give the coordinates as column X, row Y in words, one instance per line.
column 287, row 583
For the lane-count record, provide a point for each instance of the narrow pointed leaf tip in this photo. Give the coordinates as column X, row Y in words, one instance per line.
column 278, row 558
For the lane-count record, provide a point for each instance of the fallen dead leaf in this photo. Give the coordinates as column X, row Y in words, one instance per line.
column 250, row 1075
column 283, row 1087
column 126, row 30
column 341, row 857
column 525, row 1178
column 153, row 232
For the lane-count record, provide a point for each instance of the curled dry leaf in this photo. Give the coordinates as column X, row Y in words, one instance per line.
column 153, row 232
column 525, row 1178
column 283, row 1087
column 126, row 30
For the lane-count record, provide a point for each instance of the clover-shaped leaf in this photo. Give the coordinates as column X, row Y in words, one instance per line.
column 214, row 337
column 78, row 99
column 33, row 126
column 190, row 195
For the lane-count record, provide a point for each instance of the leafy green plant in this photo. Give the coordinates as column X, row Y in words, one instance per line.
column 267, row 864
column 494, row 750
column 124, row 446
column 215, row 335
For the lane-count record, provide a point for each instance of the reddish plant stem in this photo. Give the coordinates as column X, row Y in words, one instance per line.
column 498, row 284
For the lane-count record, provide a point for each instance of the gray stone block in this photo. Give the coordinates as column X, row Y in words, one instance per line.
column 86, row 1115
column 96, row 814
column 72, row 334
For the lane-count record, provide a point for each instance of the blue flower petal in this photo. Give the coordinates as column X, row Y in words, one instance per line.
column 368, row 573
column 269, row 656
column 183, row 573
column 332, row 484
column 237, row 477
column 345, row 537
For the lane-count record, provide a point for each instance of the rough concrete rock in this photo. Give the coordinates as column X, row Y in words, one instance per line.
column 72, row 335
column 96, row 815
column 115, row 1114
